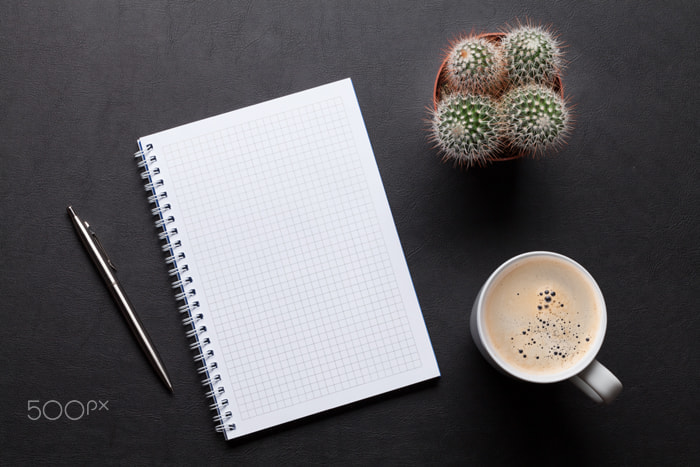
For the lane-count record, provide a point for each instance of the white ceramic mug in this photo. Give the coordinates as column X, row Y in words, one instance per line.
column 587, row 373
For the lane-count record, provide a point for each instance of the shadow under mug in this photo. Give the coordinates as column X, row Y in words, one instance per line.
column 587, row 374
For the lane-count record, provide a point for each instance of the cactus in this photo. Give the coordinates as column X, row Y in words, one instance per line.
column 532, row 55
column 475, row 65
column 466, row 128
column 536, row 119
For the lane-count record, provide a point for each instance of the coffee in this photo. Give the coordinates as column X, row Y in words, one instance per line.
column 542, row 315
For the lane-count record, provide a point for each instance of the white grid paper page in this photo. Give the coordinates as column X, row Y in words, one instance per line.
column 296, row 261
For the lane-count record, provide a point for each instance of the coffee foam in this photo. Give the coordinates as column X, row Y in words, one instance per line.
column 542, row 315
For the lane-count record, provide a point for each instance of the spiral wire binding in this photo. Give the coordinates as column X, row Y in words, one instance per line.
column 176, row 258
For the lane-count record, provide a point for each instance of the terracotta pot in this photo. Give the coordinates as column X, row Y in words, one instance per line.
column 441, row 84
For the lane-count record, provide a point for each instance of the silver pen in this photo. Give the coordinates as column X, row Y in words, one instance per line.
column 107, row 269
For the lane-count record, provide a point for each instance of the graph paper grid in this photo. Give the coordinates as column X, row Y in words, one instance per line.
column 288, row 254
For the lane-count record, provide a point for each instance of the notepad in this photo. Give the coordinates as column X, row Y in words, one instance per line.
column 285, row 257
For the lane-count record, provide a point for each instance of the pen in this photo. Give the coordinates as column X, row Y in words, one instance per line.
column 106, row 268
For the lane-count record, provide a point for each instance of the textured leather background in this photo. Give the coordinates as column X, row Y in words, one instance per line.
column 80, row 81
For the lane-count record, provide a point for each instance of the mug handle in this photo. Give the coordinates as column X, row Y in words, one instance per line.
column 598, row 383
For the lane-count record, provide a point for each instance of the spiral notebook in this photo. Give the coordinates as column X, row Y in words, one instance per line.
column 286, row 260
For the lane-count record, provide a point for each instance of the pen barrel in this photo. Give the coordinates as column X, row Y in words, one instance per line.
column 132, row 318
column 98, row 259
column 139, row 331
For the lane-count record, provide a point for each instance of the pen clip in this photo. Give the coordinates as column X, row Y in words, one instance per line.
column 99, row 246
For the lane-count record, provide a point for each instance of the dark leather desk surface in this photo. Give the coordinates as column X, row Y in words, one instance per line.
column 81, row 81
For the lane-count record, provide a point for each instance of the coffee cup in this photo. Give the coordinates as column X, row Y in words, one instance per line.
column 541, row 317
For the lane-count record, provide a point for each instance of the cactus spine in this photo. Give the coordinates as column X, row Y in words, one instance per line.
column 535, row 119
column 532, row 55
column 475, row 65
column 466, row 128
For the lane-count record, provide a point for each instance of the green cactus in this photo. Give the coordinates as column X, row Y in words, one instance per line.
column 536, row 119
column 532, row 55
column 466, row 128
column 475, row 65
